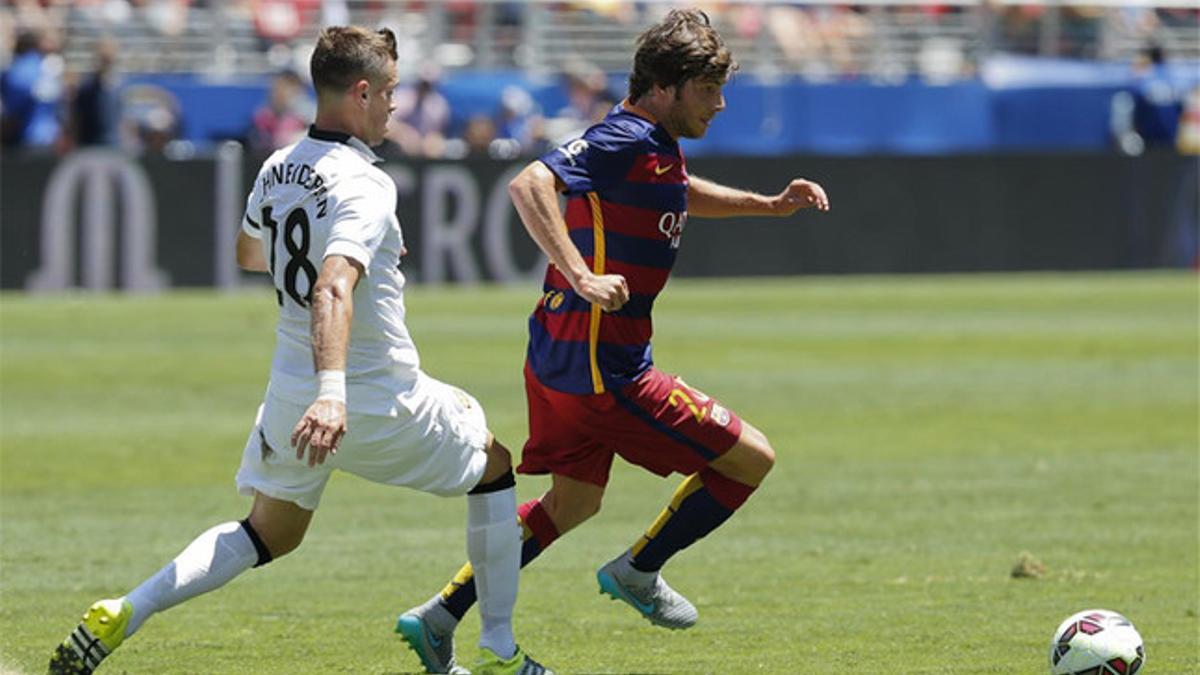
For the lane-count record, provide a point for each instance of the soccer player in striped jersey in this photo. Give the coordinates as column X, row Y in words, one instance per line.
column 321, row 222
column 591, row 386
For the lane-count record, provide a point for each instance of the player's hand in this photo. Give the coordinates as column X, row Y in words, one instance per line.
column 320, row 430
column 610, row 291
column 799, row 194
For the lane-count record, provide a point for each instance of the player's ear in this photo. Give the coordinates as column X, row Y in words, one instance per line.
column 362, row 90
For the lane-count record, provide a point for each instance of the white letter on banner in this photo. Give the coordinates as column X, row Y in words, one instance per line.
column 445, row 186
column 497, row 238
column 97, row 170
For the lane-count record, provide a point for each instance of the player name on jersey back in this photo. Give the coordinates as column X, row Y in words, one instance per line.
column 321, row 197
column 303, row 175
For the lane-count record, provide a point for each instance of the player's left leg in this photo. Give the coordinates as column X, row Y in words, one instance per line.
column 273, row 528
column 705, row 500
column 696, row 438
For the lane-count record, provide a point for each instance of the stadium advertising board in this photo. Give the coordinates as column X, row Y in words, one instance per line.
column 102, row 220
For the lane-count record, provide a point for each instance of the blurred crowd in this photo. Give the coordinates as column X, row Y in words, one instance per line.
column 45, row 102
column 43, row 106
column 823, row 39
column 425, row 126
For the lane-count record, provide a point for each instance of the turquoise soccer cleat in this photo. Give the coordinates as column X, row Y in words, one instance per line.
column 658, row 602
column 434, row 647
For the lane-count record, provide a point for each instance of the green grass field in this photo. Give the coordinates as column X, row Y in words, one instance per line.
column 929, row 430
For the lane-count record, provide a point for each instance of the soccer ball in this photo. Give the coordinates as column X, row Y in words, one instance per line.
column 1096, row 642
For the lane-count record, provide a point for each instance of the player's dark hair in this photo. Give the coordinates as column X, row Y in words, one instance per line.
column 346, row 54
column 682, row 46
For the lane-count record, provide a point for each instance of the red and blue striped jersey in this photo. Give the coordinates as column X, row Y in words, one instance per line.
column 626, row 186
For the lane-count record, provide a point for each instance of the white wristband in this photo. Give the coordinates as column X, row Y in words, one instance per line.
column 333, row 385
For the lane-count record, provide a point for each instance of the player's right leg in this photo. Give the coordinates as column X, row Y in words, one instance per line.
column 429, row 628
column 273, row 528
column 580, row 469
column 444, row 447
column 494, row 549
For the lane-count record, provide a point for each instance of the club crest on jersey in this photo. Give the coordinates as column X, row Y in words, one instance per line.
column 553, row 300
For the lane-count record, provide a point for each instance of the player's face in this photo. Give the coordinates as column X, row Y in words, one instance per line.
column 696, row 103
column 380, row 107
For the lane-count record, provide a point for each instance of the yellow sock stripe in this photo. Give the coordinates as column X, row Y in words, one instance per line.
column 463, row 577
column 597, row 268
column 685, row 490
column 466, row 573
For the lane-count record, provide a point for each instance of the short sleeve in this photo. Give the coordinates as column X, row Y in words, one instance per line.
column 600, row 159
column 251, row 224
column 361, row 220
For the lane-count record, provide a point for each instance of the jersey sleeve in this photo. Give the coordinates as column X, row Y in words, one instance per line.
column 251, row 224
column 361, row 220
column 598, row 160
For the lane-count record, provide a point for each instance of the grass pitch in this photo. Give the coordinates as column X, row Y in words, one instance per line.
column 929, row 429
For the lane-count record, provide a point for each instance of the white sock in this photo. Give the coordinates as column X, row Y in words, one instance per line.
column 210, row 561
column 494, row 548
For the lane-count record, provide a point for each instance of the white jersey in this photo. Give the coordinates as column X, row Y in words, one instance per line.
column 323, row 196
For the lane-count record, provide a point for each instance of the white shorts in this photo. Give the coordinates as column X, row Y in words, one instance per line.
column 437, row 445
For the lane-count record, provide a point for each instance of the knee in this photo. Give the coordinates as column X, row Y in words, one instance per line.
column 499, row 461
column 590, row 507
column 758, row 460
column 568, row 513
column 583, row 509
column 278, row 540
column 285, row 546
column 766, row 457
column 749, row 461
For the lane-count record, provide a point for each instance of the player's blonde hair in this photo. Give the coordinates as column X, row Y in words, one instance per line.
column 682, row 46
column 347, row 54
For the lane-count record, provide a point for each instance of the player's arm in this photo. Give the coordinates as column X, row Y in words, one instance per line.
column 250, row 255
column 707, row 199
column 534, row 193
column 324, row 423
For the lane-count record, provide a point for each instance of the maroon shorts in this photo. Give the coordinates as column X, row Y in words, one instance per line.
column 657, row 422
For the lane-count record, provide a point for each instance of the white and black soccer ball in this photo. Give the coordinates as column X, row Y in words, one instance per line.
column 1096, row 642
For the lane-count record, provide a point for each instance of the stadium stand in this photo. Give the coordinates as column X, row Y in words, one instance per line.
column 825, row 77
column 878, row 39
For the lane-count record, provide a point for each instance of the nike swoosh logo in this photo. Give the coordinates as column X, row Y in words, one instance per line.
column 643, row 607
column 434, row 640
column 660, row 170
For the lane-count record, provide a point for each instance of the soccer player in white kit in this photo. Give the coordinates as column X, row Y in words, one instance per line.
column 346, row 389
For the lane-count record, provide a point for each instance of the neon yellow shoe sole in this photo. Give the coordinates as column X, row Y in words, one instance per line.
column 519, row 664
column 100, row 632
